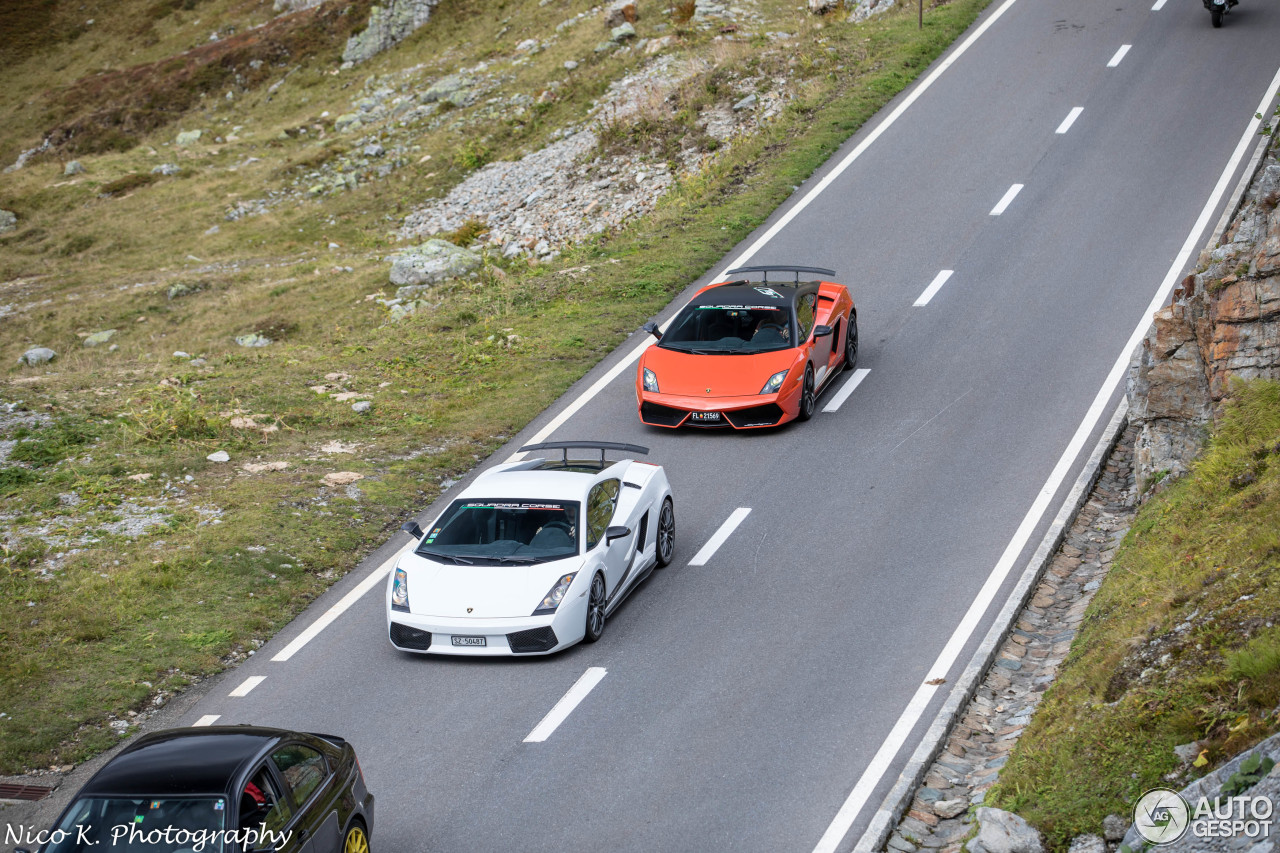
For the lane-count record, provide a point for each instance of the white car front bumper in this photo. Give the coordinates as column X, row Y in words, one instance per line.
column 521, row 635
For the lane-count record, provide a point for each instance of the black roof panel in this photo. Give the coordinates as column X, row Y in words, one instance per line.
column 183, row 761
column 753, row 293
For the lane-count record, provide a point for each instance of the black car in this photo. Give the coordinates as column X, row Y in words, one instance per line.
column 222, row 789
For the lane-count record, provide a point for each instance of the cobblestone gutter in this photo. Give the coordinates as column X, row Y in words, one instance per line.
column 930, row 806
column 1026, row 665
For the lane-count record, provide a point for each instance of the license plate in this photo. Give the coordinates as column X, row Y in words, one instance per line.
column 705, row 417
column 470, row 641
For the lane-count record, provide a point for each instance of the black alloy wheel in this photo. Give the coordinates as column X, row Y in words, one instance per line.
column 666, row 533
column 808, row 397
column 851, row 343
column 595, row 610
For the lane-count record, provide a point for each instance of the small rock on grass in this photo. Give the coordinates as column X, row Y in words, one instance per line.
column 260, row 467
column 219, row 456
column 37, row 355
column 253, row 340
column 361, row 407
column 342, row 478
column 1000, row 831
column 1087, row 844
column 1114, row 827
column 99, row 338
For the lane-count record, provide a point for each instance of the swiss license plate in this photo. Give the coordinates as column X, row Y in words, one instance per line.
column 706, row 417
column 469, row 641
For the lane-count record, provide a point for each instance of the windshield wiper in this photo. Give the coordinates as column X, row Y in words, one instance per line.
column 510, row 559
column 456, row 559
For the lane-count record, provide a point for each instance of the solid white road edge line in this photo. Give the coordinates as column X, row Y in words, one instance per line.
column 885, row 818
column 1069, row 120
column 843, row 394
column 1124, row 48
column 718, row 538
column 601, row 383
column 341, row 607
column 934, row 286
column 567, row 703
column 1009, row 195
column 206, row 720
column 247, row 685
column 849, row 812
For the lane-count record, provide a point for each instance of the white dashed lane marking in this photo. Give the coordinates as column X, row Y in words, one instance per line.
column 934, row 286
column 1004, row 203
column 843, row 394
column 206, row 720
column 247, row 685
column 567, row 703
column 718, row 538
column 1124, row 48
column 1069, row 120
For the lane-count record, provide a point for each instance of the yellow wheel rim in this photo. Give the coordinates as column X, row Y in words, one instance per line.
column 356, row 841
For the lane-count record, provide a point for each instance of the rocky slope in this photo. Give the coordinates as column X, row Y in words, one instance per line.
column 1223, row 324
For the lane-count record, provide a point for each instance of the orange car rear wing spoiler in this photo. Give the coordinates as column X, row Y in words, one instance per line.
column 820, row 271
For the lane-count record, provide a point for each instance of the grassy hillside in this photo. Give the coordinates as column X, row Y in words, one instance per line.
column 131, row 564
column 1180, row 645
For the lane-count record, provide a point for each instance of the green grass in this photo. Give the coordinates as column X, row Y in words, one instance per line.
column 1180, row 644
column 100, row 631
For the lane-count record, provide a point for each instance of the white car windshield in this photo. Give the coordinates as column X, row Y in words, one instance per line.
column 165, row 825
column 489, row 531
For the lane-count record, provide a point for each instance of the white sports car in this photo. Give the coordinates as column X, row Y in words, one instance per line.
column 533, row 556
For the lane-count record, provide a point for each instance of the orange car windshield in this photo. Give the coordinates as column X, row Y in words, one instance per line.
column 730, row 329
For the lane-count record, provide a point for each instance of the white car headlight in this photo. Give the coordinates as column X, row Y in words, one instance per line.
column 400, row 592
column 774, row 383
column 650, row 381
column 557, row 594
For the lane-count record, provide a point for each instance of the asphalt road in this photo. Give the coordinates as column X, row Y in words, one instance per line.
column 745, row 697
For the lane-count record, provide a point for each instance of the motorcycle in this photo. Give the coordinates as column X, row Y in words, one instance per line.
column 1218, row 8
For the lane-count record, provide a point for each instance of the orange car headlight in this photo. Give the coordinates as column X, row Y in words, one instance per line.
column 774, row 383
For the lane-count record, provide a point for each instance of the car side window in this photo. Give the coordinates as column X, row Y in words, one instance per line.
column 601, row 501
column 806, row 311
column 261, row 803
column 303, row 769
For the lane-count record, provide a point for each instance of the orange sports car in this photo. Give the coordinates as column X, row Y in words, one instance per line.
column 748, row 354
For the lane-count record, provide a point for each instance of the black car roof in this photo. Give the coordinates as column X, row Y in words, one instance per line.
column 753, row 293
column 178, row 762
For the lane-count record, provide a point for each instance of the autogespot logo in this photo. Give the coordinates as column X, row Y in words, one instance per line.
column 1161, row 816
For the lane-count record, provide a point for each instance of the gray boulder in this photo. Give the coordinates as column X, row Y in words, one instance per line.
column 433, row 261
column 389, row 25
column 622, row 33
column 361, row 407
column 189, row 137
column 97, row 339
column 8, row 221
column 253, row 340
column 454, row 88
column 37, row 355
column 1000, row 831
column 75, row 167
column 864, row 9
column 347, row 123
column 166, row 169
column 822, row 7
